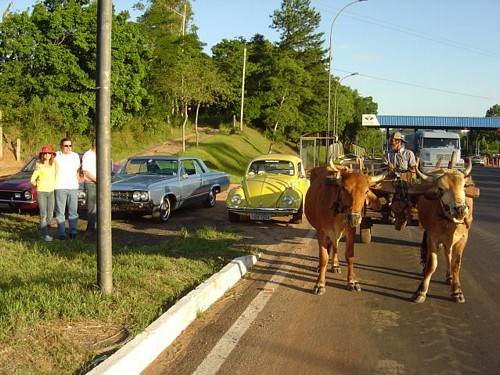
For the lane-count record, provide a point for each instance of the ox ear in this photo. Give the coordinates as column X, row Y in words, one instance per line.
column 471, row 191
column 373, row 201
column 432, row 193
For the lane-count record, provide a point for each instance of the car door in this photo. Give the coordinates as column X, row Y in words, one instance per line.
column 190, row 179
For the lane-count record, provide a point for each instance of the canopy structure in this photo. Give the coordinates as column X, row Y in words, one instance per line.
column 431, row 122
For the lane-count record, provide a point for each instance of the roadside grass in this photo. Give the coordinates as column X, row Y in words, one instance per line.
column 232, row 152
column 52, row 314
column 53, row 317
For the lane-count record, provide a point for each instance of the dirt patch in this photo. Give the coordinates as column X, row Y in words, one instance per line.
column 9, row 164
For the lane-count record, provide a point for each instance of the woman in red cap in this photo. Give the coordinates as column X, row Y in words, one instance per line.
column 44, row 179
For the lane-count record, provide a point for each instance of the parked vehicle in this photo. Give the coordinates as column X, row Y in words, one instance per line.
column 16, row 191
column 477, row 160
column 274, row 185
column 158, row 185
column 431, row 146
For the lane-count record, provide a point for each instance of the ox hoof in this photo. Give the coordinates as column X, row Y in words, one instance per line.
column 458, row 297
column 419, row 298
column 335, row 269
column 319, row 290
column 353, row 287
column 448, row 280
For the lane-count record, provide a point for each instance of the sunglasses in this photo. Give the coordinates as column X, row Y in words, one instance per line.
column 67, row 145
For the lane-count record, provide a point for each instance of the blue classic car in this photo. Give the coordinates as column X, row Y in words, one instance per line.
column 157, row 185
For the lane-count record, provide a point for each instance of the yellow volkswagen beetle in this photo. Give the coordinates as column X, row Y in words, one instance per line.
column 274, row 185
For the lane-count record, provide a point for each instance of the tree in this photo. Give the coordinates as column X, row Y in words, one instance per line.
column 48, row 68
column 297, row 23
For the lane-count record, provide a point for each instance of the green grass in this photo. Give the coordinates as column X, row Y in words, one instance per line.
column 232, row 152
column 53, row 318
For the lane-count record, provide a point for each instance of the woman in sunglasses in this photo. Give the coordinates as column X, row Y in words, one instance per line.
column 44, row 178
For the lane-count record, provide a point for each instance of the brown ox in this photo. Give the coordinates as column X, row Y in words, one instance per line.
column 334, row 206
column 445, row 213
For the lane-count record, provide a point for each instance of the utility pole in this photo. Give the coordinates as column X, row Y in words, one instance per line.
column 243, row 87
column 103, row 147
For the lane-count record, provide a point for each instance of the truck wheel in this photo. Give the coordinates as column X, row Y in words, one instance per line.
column 366, row 235
column 232, row 217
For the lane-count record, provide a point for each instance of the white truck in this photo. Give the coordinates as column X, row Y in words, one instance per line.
column 432, row 145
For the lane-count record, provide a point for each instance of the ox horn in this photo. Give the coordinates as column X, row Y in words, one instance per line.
column 451, row 164
column 422, row 175
column 377, row 178
column 468, row 169
column 361, row 166
column 332, row 165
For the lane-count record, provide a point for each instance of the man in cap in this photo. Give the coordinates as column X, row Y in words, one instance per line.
column 401, row 160
column 402, row 164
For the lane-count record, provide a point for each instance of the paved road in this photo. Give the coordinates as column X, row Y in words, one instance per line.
column 271, row 323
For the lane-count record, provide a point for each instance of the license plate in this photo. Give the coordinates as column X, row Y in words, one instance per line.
column 115, row 208
column 4, row 205
column 260, row 216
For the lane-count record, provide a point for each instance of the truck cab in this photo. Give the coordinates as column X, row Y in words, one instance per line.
column 430, row 146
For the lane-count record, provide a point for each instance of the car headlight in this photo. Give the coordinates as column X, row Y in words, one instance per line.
column 288, row 200
column 140, row 196
column 27, row 195
column 236, row 199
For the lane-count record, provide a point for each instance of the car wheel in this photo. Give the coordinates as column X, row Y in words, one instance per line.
column 297, row 218
column 165, row 210
column 232, row 217
column 211, row 199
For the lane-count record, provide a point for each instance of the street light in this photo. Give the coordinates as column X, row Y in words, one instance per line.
column 330, row 63
column 336, row 109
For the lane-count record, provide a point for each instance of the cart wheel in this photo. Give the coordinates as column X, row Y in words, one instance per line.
column 366, row 235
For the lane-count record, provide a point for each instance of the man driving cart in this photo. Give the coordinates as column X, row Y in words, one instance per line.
column 402, row 168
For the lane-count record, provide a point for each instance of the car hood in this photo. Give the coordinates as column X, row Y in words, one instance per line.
column 265, row 190
column 18, row 181
column 137, row 181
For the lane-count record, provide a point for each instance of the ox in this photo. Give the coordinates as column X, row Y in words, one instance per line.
column 334, row 206
column 445, row 214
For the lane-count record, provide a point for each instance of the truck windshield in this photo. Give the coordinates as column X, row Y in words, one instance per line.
column 441, row 143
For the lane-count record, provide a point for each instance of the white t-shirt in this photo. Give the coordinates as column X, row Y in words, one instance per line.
column 89, row 163
column 67, row 166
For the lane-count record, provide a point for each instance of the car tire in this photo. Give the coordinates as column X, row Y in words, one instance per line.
column 211, row 199
column 232, row 217
column 165, row 210
column 297, row 218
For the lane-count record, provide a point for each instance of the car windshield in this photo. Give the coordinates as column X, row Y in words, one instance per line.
column 271, row 167
column 30, row 166
column 150, row 166
column 441, row 143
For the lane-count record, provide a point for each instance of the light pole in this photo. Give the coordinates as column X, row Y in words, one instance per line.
column 330, row 64
column 336, row 109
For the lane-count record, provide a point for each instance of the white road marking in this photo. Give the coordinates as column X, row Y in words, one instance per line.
column 214, row 360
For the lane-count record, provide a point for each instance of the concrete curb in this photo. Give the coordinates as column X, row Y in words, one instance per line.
column 137, row 354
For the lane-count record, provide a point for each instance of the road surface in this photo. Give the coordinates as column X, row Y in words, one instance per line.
column 271, row 323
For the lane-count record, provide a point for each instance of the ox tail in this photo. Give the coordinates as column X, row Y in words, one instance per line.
column 424, row 249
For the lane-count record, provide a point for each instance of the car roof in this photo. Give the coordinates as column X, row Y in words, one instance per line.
column 285, row 157
column 161, row 157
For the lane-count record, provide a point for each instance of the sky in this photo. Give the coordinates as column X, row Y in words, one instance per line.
column 413, row 57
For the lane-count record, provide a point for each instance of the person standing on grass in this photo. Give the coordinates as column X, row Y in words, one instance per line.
column 90, row 172
column 44, row 178
column 66, row 189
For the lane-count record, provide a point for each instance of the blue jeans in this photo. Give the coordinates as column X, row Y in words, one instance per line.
column 46, row 207
column 66, row 198
column 91, row 198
